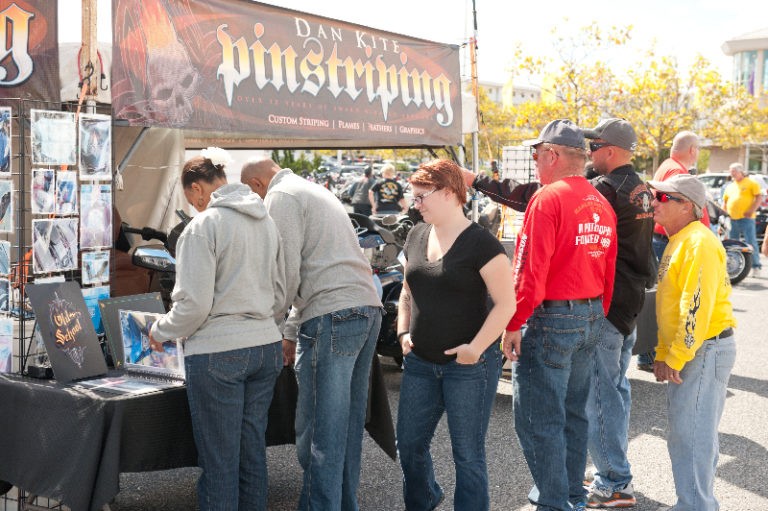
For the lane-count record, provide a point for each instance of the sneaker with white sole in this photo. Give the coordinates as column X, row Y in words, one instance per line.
column 617, row 498
column 589, row 477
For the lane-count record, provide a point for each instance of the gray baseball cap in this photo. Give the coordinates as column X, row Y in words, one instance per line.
column 559, row 132
column 615, row 131
column 686, row 185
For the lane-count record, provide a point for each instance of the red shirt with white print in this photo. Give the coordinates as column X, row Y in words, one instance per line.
column 668, row 168
column 566, row 249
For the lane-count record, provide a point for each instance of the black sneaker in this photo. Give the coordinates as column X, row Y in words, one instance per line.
column 648, row 368
column 618, row 498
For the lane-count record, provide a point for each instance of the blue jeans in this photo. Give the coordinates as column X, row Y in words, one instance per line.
column 229, row 394
column 466, row 394
column 746, row 227
column 695, row 408
column 659, row 244
column 552, row 381
column 333, row 363
column 608, row 409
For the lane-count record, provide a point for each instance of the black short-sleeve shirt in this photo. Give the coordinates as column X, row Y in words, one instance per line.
column 449, row 298
column 388, row 194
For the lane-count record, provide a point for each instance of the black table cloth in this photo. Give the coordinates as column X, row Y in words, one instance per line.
column 71, row 444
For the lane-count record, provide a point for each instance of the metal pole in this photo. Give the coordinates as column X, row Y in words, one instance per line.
column 476, row 92
column 89, row 57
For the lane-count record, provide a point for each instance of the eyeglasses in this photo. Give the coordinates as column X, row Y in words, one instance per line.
column 418, row 199
column 665, row 197
column 595, row 146
column 537, row 152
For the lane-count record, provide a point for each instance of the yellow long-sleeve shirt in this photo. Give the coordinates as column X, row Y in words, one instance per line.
column 693, row 300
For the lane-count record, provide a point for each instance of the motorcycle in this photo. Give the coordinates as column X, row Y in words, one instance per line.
column 158, row 258
column 738, row 254
column 382, row 240
column 738, row 258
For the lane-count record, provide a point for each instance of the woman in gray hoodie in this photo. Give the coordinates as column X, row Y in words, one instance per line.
column 230, row 279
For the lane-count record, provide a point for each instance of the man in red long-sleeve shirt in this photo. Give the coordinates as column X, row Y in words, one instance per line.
column 564, row 271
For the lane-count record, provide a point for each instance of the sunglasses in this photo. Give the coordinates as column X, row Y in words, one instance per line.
column 665, row 197
column 594, row 146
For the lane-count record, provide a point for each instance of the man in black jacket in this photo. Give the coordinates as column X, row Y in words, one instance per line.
column 612, row 144
column 506, row 191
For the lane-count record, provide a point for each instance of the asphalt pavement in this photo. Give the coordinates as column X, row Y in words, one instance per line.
column 741, row 476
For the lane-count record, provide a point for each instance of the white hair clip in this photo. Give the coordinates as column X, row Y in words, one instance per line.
column 217, row 155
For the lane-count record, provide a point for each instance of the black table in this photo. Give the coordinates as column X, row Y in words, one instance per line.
column 72, row 444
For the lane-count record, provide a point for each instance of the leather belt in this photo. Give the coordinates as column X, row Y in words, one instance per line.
column 728, row 332
column 568, row 303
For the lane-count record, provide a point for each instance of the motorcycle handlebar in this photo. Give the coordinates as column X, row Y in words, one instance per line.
column 146, row 233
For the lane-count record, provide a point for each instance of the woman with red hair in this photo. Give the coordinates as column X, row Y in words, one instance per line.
column 449, row 335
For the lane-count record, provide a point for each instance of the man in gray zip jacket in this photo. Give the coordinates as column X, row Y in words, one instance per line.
column 331, row 330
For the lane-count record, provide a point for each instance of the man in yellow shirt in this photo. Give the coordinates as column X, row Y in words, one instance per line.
column 741, row 199
column 696, row 348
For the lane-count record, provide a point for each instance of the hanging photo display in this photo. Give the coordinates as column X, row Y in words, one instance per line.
column 5, row 295
column 5, row 257
column 95, row 146
column 5, row 141
column 54, row 138
column 6, row 345
column 66, row 193
column 92, row 295
column 95, row 216
column 54, row 245
column 6, row 206
column 43, row 191
column 95, row 268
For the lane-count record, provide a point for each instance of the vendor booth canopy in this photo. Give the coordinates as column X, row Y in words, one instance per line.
column 247, row 75
column 260, row 76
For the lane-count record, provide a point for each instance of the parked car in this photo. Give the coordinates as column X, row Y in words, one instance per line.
column 715, row 181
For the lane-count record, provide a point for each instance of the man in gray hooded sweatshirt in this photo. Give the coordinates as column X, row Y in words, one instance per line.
column 225, row 309
column 331, row 330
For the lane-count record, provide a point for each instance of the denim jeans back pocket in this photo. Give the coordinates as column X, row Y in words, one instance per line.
column 229, row 365
column 559, row 345
column 349, row 331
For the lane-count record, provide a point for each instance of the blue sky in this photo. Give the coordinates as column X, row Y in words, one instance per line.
column 680, row 28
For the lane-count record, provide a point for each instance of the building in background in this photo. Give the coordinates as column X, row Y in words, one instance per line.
column 750, row 69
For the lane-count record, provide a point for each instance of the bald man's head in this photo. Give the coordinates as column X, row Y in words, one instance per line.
column 257, row 173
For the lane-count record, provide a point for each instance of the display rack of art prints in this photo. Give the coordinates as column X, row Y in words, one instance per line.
column 95, row 216
column 92, row 295
column 5, row 295
column 5, row 257
column 66, row 193
column 6, row 136
column 95, row 267
column 6, row 205
column 95, row 147
column 54, row 245
column 6, row 345
column 54, row 138
column 43, row 191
